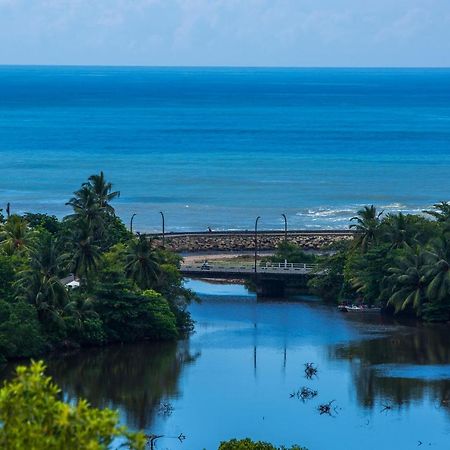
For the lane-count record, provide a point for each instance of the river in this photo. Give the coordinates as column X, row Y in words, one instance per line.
column 238, row 375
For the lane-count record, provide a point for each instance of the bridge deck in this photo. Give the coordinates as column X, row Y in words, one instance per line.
column 248, row 269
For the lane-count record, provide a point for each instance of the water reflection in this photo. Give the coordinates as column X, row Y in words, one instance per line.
column 407, row 366
column 134, row 379
column 252, row 359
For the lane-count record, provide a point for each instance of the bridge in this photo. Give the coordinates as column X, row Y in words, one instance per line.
column 270, row 279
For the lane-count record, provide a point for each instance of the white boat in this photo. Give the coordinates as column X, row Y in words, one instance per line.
column 356, row 308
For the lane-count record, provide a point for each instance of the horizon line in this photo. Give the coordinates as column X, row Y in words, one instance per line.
column 156, row 66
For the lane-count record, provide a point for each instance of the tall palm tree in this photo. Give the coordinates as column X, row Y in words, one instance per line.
column 397, row 230
column 86, row 254
column 440, row 211
column 367, row 226
column 439, row 270
column 408, row 281
column 103, row 191
column 15, row 236
column 142, row 262
column 40, row 284
column 79, row 309
column 86, row 208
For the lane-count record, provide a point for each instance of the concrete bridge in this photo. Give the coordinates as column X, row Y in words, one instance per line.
column 270, row 279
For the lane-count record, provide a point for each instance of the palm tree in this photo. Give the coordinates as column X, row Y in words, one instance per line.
column 87, row 209
column 86, row 254
column 441, row 211
column 15, row 236
column 103, row 191
column 397, row 230
column 40, row 284
column 79, row 310
column 439, row 270
column 142, row 262
column 367, row 226
column 408, row 281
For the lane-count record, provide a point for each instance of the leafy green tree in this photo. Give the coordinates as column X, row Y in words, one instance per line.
column 329, row 283
column 292, row 253
column 10, row 266
column 83, row 323
column 33, row 417
column 248, row 444
column 142, row 262
column 128, row 316
column 20, row 331
column 43, row 222
column 367, row 226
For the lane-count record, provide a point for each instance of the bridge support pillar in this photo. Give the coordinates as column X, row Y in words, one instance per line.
column 270, row 289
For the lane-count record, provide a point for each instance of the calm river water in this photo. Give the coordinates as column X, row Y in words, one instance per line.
column 234, row 377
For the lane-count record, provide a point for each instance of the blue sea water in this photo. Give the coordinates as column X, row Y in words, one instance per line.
column 218, row 146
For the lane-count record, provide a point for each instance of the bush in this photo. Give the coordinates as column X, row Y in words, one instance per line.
column 20, row 332
column 248, row 444
column 32, row 417
column 128, row 316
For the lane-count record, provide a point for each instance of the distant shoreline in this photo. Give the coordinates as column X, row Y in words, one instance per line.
column 218, row 241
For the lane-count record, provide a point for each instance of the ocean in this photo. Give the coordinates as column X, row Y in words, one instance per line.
column 216, row 147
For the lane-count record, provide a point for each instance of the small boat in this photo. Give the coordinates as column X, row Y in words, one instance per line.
column 358, row 308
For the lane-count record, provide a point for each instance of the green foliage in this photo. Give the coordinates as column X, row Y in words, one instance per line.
column 129, row 316
column 129, row 290
column 292, row 253
column 33, row 417
column 248, row 444
column 10, row 266
column 16, row 238
column 330, row 284
column 20, row 331
column 399, row 261
column 364, row 272
column 367, row 226
column 43, row 222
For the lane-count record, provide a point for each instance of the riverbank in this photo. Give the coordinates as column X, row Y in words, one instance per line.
column 245, row 240
column 262, row 347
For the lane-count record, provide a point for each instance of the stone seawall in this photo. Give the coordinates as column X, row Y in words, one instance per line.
column 215, row 241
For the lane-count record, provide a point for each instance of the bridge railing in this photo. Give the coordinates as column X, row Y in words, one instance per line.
column 300, row 268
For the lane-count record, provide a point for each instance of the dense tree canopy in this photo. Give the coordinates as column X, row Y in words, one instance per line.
column 129, row 289
column 400, row 262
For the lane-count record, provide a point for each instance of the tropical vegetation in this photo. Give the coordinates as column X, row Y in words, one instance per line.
column 400, row 262
column 33, row 416
column 129, row 288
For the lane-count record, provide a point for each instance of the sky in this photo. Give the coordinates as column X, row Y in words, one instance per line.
column 330, row 33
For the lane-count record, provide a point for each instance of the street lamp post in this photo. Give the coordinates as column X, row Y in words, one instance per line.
column 256, row 242
column 285, row 227
column 131, row 223
column 163, row 230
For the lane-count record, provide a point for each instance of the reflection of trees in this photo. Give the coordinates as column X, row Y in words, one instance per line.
column 132, row 378
column 421, row 346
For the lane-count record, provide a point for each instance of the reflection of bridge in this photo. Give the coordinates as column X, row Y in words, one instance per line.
column 270, row 279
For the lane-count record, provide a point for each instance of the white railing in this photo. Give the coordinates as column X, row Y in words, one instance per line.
column 278, row 268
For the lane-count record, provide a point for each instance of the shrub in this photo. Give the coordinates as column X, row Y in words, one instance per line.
column 20, row 332
column 248, row 444
column 32, row 417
